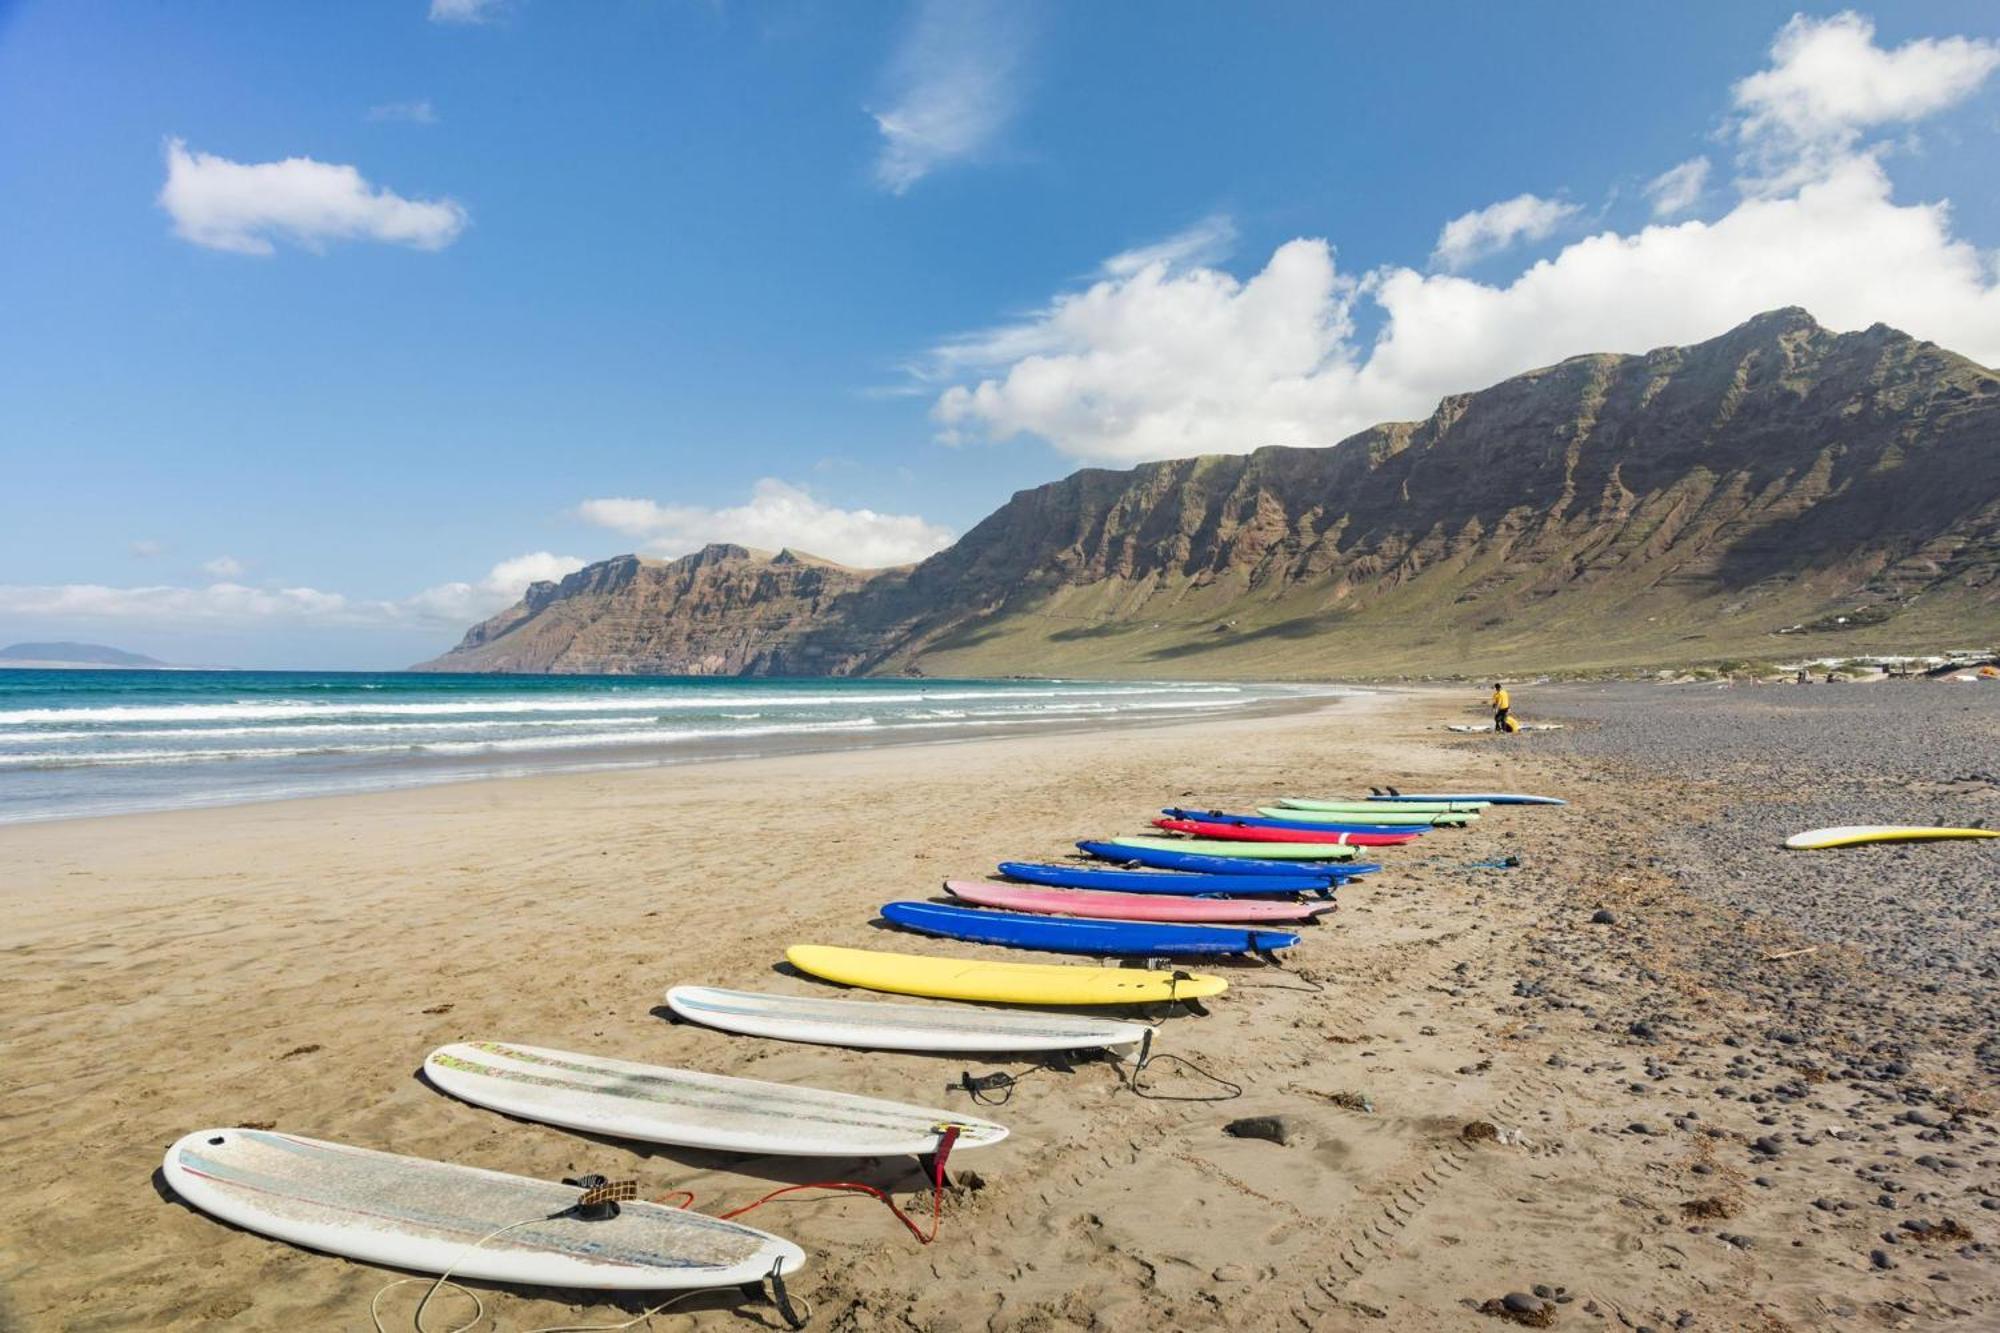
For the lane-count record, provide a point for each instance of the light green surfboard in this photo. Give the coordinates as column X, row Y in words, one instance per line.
column 1248, row 851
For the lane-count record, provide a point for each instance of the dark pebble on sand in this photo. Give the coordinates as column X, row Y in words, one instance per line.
column 1272, row 1128
column 1603, row 917
column 1881, row 1259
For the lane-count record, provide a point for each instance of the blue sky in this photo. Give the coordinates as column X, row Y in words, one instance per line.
column 328, row 326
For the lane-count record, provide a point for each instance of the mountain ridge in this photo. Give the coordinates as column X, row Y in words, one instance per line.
column 1687, row 503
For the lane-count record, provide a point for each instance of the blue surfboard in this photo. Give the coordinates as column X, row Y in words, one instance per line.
column 1159, row 858
column 1162, row 881
column 1303, row 825
column 1061, row 934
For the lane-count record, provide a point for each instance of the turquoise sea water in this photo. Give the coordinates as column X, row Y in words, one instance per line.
column 98, row 742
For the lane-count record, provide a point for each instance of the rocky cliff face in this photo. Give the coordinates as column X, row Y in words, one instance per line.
column 1682, row 505
column 725, row 610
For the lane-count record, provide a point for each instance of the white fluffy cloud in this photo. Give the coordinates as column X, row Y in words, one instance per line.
column 463, row 11
column 1167, row 361
column 228, row 603
column 218, row 603
column 1206, row 242
column 778, row 515
column 1828, row 82
column 953, row 88
column 223, row 567
column 1473, row 236
column 461, row 603
column 1177, row 357
column 1678, row 189
column 244, row 206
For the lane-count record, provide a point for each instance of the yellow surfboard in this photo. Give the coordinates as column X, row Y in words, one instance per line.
column 999, row 983
column 1855, row 835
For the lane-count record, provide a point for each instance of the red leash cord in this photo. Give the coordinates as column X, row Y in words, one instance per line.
column 948, row 1135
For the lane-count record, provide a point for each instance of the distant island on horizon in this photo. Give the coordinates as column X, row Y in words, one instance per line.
column 61, row 655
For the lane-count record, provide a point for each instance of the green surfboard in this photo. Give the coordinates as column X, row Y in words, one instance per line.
column 1249, row 851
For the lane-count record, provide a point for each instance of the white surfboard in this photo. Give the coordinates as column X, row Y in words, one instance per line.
column 427, row 1217
column 658, row 1104
column 1490, row 797
column 1856, row 835
column 871, row 1025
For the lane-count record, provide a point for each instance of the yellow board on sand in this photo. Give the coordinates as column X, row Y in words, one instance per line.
column 999, row 983
column 1855, row 835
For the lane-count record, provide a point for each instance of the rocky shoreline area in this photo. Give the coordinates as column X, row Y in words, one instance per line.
column 1817, row 1029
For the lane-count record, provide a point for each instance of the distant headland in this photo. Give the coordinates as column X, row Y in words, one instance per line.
column 77, row 657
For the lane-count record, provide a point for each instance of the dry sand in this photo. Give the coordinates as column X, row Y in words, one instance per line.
column 291, row 964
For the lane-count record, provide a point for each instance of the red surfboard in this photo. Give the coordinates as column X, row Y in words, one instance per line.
column 1251, row 833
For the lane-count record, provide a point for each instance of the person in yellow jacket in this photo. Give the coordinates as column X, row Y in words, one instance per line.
column 1503, row 721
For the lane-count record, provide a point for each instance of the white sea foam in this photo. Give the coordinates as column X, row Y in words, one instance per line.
column 518, row 744
column 68, row 751
column 330, row 727
column 610, row 703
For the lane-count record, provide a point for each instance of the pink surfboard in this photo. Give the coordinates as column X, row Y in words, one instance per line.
column 1228, row 832
column 1128, row 906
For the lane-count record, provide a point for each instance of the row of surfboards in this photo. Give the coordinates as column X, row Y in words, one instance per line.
column 1153, row 896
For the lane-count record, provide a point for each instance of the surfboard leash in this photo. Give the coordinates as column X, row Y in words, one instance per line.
column 994, row 1089
column 934, row 1167
column 1313, row 985
column 1148, row 1057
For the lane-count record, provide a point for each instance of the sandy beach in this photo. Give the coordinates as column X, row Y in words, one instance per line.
column 1606, row 1075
